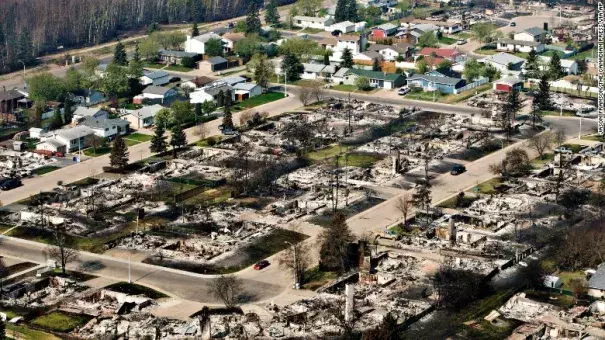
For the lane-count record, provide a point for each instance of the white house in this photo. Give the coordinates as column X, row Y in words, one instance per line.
column 107, row 128
column 85, row 112
column 35, row 132
column 72, row 139
column 157, row 78
column 551, row 281
column 391, row 52
column 243, row 91
column 504, row 62
column 355, row 43
column 312, row 71
column 568, row 66
column 534, row 34
column 210, row 92
column 158, row 94
column 519, row 45
column 347, row 27
column 230, row 39
column 53, row 145
column 312, row 22
column 231, row 81
column 143, row 117
column 198, row 44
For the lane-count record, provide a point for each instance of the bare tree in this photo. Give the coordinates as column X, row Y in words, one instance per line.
column 579, row 287
column 318, row 91
column 245, row 117
column 541, row 142
column 560, row 137
column 200, row 131
column 404, row 206
column 296, row 259
column 227, row 288
column 305, row 93
column 61, row 248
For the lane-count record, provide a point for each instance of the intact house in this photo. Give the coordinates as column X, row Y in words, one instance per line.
column 568, row 66
column 175, row 57
column 535, row 34
column 444, row 72
column 355, row 43
column 243, row 91
column 377, row 79
column 508, row 84
column 519, row 46
column 445, row 27
column 230, row 39
column 143, row 117
column 312, row 22
column 367, row 58
column 156, row 95
column 392, row 52
column 231, row 81
column 84, row 112
column 417, row 31
column 213, row 64
column 107, row 128
column 596, row 283
column 446, row 85
column 504, row 62
column 384, row 31
column 53, row 145
column 156, row 78
column 197, row 44
column 451, row 54
column 66, row 140
column 210, row 92
column 197, row 83
column 318, row 71
column 87, row 97
column 347, row 27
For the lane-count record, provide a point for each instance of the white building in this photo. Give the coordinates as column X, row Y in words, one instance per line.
column 519, row 46
column 347, row 27
column 210, row 93
column 159, row 94
column 198, row 44
column 243, row 91
column 312, row 71
column 85, row 112
column 107, row 128
column 312, row 22
column 72, row 138
column 143, row 117
column 568, row 66
column 504, row 62
column 157, row 78
column 534, row 34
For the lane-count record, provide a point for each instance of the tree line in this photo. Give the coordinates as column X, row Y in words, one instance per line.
column 29, row 28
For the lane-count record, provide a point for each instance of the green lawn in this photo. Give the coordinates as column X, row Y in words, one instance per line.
column 568, row 276
column 210, row 196
column 447, row 40
column 457, row 98
column 26, row 333
column 488, row 187
column 550, row 53
column 485, row 51
column 96, row 152
column 259, row 100
column 575, row 148
column 538, row 163
column 179, row 68
column 139, row 137
column 329, row 152
column 131, row 142
column 427, row 96
column 60, row 322
column 147, row 64
column 45, row 169
column 135, row 289
column 315, row 278
column 360, row 160
column 585, row 54
column 461, row 35
column 557, row 113
column 596, row 138
column 344, row 88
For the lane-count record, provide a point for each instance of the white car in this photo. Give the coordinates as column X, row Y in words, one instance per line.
column 461, row 42
column 562, row 150
column 403, row 91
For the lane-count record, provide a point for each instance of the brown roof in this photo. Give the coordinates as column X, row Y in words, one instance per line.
column 328, row 41
column 349, row 37
column 201, row 81
column 11, row 95
column 234, row 36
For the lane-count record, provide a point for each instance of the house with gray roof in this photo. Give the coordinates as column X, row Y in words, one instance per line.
column 504, row 62
column 431, row 83
column 512, row 45
column 312, row 22
column 83, row 112
column 68, row 139
column 213, row 64
column 107, row 128
column 210, row 92
column 157, row 78
column 535, row 34
column 158, row 94
column 175, row 57
column 244, row 91
column 197, row 44
column 596, row 283
column 377, row 79
column 143, row 117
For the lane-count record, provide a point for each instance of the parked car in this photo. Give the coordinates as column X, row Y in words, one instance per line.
column 10, row 184
column 458, row 169
column 513, row 24
column 403, row 91
column 336, row 33
column 262, row 264
column 461, row 42
column 230, row 25
column 562, row 149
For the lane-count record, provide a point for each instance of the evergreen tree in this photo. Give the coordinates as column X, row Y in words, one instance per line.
column 57, row 121
column 119, row 55
column 271, row 13
column 195, row 31
column 340, row 14
column 158, row 141
column 555, row 67
column 228, row 116
column 197, row 111
column 25, row 48
column 67, row 111
column 220, row 99
column 291, row 66
column 543, row 96
column 335, row 240
column 119, row 153
column 253, row 24
column 347, row 58
column 2, row 330
column 178, row 138
column 509, row 112
column 531, row 65
column 326, row 58
column 351, row 12
column 376, row 65
column 136, row 56
column 228, row 98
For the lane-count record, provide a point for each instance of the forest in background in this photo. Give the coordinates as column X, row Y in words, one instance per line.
column 29, row 28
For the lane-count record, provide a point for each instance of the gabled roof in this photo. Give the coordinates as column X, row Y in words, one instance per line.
column 313, row 68
column 233, row 80
column 380, row 47
column 369, row 54
column 447, row 72
column 232, row 36
column 597, row 280
column 564, row 62
column 435, row 79
column 387, row 27
column 94, row 123
column 207, row 36
column 156, row 75
column 178, row 54
column 217, row 60
column 159, row 90
column 504, row 58
column 341, row 73
column 375, row 74
column 440, row 52
column 328, row 41
column 519, row 42
column 535, row 31
column 11, row 95
column 311, row 19
column 512, row 80
column 348, row 37
column 75, row 132
column 54, row 142
column 86, row 111
column 245, row 86
column 147, row 111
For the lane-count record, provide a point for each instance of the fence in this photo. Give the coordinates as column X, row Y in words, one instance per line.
column 481, row 81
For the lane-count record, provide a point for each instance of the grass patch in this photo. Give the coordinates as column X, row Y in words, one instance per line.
column 557, row 113
column 575, row 148
column 135, row 289
column 90, row 152
column 360, row 160
column 45, row 169
column 325, row 153
column 147, row 64
column 85, row 182
column 60, row 322
column 315, row 278
column 77, row 276
column 131, row 142
column 436, row 96
column 566, row 277
column 539, row 163
column 456, row 98
column 141, row 137
column 179, row 68
column 596, row 138
column 485, row 51
column 559, row 300
column 462, row 35
column 446, row 40
column 344, row 88
column 585, row 54
column 488, row 187
column 26, row 333
column 325, row 219
column 259, row 100
column 210, row 197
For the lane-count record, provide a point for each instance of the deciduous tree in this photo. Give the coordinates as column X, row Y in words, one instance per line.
column 228, row 289
column 61, row 248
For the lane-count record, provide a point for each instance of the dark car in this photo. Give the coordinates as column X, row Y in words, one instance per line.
column 10, row 184
column 336, row 33
column 457, row 169
column 262, row 264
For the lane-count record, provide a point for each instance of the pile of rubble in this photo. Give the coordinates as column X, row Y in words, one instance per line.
column 43, row 292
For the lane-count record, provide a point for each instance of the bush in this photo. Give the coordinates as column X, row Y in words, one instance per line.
column 212, row 141
column 188, row 62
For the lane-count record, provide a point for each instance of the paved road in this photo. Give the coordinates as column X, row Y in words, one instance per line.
column 94, row 166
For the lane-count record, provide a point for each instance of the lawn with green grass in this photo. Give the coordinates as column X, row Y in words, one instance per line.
column 457, row 98
column 344, row 88
column 210, row 197
column 585, row 54
column 560, row 300
column 488, row 187
column 60, row 322
column 436, row 96
column 26, row 333
column 141, row 137
column 135, row 289
column 446, row 40
column 575, row 148
column 360, row 160
column 566, row 277
column 131, row 142
column 44, row 170
column 485, row 51
column 325, row 153
column 557, row 113
column 96, row 152
column 540, row 162
column 596, row 138
column 461, row 35
column 147, row 64
column 259, row 100
column 179, row 68
column 315, row 278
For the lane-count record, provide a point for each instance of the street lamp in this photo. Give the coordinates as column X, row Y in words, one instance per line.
column 296, row 283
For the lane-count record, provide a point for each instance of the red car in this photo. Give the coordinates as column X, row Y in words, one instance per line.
column 262, row 264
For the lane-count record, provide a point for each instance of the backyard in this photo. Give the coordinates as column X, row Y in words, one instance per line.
column 259, row 100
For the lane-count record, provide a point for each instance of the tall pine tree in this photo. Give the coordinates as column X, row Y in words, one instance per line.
column 271, row 13
column 543, row 95
column 351, row 13
column 291, row 66
column 158, row 141
column 228, row 116
column 376, row 65
column 118, row 159
column 555, row 67
column 253, row 24
column 220, row 99
column 119, row 55
column 195, row 31
column 57, row 121
column 347, row 58
column 178, row 138
column 136, row 56
column 340, row 14
column 67, row 111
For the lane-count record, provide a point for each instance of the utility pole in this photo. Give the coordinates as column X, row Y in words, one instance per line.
column 337, row 182
column 295, row 266
column 349, row 112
